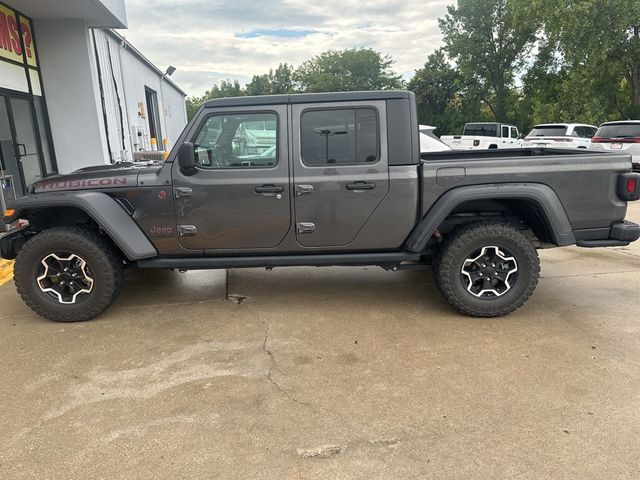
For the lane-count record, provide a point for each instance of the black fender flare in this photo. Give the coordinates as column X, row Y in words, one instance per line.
column 541, row 194
column 104, row 210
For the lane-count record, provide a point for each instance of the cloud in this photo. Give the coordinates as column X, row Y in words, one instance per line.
column 211, row 40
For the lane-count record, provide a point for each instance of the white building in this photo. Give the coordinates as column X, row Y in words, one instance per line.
column 74, row 93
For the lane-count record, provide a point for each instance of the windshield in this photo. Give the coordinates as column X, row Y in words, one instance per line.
column 619, row 130
column 548, row 131
column 481, row 129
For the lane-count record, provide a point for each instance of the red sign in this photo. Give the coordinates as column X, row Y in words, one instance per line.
column 10, row 45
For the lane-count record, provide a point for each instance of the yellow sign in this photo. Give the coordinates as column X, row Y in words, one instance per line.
column 10, row 45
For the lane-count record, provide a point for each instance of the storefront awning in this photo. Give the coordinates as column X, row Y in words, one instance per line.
column 97, row 13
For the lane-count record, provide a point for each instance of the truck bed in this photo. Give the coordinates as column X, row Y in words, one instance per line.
column 570, row 173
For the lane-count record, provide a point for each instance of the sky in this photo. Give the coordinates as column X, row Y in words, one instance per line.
column 211, row 40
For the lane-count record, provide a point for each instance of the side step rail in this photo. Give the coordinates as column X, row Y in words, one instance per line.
column 326, row 260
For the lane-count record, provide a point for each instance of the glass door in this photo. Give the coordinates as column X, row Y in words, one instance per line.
column 8, row 163
column 27, row 151
column 20, row 154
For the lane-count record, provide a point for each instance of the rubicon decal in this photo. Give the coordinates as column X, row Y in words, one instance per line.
column 92, row 183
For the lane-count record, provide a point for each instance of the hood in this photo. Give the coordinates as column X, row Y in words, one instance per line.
column 119, row 175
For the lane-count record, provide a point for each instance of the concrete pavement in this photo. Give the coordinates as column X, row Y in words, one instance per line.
column 337, row 373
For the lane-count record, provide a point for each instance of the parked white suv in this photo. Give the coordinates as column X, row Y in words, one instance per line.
column 622, row 136
column 560, row 135
column 483, row 136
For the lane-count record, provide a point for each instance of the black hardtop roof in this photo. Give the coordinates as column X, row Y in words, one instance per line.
column 307, row 98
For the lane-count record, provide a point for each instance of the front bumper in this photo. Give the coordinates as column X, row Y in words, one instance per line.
column 620, row 235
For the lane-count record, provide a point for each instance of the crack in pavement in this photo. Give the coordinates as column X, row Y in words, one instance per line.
column 274, row 364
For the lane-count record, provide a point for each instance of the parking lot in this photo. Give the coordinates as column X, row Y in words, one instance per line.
column 333, row 373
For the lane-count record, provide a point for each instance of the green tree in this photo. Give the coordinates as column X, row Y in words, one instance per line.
column 227, row 88
column 489, row 41
column 347, row 70
column 599, row 43
column 439, row 98
column 275, row 82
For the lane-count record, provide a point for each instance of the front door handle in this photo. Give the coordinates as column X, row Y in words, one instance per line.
column 359, row 186
column 21, row 150
column 269, row 189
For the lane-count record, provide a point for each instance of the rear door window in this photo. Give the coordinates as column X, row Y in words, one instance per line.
column 340, row 137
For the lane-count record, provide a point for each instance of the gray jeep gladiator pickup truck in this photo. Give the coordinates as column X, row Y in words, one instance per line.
column 316, row 179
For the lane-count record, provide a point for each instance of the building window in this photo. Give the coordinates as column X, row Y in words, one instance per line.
column 153, row 114
column 339, row 137
column 26, row 152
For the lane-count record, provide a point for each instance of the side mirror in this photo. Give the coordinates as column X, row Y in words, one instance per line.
column 187, row 157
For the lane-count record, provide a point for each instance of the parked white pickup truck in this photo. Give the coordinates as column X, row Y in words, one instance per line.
column 484, row 136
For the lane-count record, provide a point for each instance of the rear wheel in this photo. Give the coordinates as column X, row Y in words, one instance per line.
column 68, row 274
column 487, row 269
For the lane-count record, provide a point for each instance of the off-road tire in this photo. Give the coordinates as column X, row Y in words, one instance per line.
column 451, row 256
column 105, row 262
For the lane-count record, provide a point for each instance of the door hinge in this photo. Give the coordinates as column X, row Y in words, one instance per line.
column 187, row 230
column 305, row 227
column 183, row 192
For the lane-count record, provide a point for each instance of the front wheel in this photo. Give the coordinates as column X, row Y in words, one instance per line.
column 487, row 269
column 68, row 274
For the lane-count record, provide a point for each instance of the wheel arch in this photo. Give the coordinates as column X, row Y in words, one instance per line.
column 537, row 205
column 47, row 210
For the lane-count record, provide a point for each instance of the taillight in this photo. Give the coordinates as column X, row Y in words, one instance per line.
column 615, row 140
column 628, row 186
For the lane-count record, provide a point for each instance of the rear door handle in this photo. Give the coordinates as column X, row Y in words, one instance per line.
column 303, row 190
column 269, row 189
column 358, row 186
